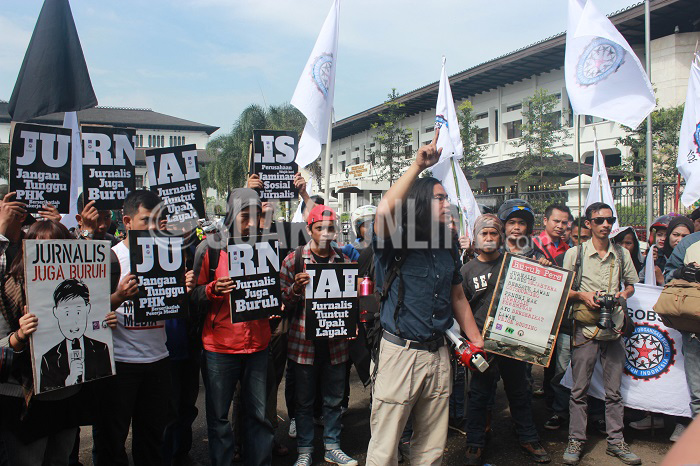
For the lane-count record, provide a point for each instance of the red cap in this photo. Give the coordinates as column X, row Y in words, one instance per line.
column 321, row 213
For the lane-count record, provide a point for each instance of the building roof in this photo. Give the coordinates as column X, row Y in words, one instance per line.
column 139, row 118
column 540, row 57
column 561, row 167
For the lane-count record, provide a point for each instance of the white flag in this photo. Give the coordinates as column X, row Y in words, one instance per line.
column 688, row 162
column 70, row 120
column 314, row 93
column 447, row 170
column 604, row 77
column 600, row 185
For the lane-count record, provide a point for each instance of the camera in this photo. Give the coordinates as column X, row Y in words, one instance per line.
column 691, row 273
column 607, row 304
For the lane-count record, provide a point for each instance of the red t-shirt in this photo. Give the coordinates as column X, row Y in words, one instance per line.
column 546, row 245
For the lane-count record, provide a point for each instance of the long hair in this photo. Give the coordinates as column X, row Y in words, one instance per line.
column 47, row 229
column 417, row 212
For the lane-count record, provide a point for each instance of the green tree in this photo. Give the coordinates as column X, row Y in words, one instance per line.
column 665, row 125
column 471, row 160
column 230, row 152
column 4, row 161
column 391, row 139
column 541, row 132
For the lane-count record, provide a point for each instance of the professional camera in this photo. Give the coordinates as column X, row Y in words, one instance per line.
column 607, row 304
column 691, row 273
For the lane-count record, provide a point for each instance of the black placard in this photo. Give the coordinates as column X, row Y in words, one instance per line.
column 274, row 160
column 40, row 164
column 331, row 303
column 254, row 266
column 173, row 174
column 158, row 261
column 109, row 164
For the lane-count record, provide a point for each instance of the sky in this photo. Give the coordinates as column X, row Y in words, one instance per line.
column 207, row 60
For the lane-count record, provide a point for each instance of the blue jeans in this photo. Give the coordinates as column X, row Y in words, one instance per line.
column 481, row 390
column 221, row 372
column 691, row 354
column 459, row 381
column 333, row 387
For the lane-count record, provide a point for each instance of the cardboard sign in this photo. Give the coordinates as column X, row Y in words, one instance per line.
column 526, row 310
column 274, row 160
column 332, row 305
column 254, row 266
column 173, row 174
column 158, row 261
column 109, row 165
column 68, row 287
column 40, row 162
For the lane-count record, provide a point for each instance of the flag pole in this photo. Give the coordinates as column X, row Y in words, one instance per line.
column 596, row 162
column 327, row 161
column 577, row 143
column 647, row 41
column 459, row 196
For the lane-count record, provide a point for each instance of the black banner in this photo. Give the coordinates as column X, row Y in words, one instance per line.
column 40, row 163
column 158, row 261
column 109, row 164
column 173, row 174
column 274, row 160
column 332, row 305
column 254, row 266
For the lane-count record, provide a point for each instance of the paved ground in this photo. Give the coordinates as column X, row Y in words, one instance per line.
column 503, row 449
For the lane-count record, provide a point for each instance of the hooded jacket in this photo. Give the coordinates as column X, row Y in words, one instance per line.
column 219, row 334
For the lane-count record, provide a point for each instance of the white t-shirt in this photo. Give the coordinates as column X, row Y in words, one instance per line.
column 135, row 343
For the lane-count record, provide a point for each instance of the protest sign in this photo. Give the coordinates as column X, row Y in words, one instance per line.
column 526, row 310
column 654, row 375
column 40, row 161
column 274, row 160
column 254, row 266
column 332, row 305
column 67, row 284
column 158, row 261
column 173, row 174
column 109, row 164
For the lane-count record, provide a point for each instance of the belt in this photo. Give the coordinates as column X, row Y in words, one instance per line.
column 432, row 345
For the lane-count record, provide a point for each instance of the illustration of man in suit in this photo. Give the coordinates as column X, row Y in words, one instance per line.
column 77, row 358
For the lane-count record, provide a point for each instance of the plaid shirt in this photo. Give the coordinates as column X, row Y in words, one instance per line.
column 299, row 349
column 4, row 244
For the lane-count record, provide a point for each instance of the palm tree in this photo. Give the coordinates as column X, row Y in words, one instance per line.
column 229, row 168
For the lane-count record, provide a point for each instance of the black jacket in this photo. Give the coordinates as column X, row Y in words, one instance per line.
column 55, row 364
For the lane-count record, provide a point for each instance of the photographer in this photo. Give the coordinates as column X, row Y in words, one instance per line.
column 683, row 263
column 598, row 322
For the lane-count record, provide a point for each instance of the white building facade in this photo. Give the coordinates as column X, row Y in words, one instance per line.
column 497, row 90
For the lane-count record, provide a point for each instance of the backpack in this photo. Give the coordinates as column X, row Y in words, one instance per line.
column 679, row 305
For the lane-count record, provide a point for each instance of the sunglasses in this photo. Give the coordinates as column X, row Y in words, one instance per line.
column 601, row 220
column 442, row 198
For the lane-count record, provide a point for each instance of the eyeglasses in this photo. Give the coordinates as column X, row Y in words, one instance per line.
column 442, row 198
column 601, row 220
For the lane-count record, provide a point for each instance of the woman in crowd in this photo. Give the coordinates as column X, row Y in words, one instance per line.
column 627, row 238
column 39, row 429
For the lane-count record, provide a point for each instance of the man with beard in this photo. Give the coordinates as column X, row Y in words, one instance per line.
column 479, row 283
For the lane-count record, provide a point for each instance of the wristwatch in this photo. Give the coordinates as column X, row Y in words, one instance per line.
column 87, row 234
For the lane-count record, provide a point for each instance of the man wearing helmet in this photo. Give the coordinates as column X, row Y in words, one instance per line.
column 361, row 219
column 518, row 222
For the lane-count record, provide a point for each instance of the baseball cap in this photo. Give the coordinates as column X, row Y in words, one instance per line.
column 321, row 213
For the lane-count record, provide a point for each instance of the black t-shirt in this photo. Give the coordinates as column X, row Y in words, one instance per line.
column 364, row 262
column 478, row 287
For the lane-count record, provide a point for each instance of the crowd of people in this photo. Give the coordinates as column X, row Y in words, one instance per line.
column 426, row 277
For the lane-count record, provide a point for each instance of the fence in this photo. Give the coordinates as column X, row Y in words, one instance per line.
column 630, row 202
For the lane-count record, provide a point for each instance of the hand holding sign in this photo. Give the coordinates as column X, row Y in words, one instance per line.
column 223, row 286
column 12, row 215
column 49, row 212
column 27, row 325
column 128, row 288
column 300, row 281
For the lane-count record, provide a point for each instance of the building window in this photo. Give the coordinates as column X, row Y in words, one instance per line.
column 183, row 140
column 408, row 150
column 342, row 153
column 149, row 140
column 558, row 95
column 330, row 167
column 171, row 141
column 342, row 166
column 141, row 140
column 514, row 129
column 555, row 119
column 589, row 120
column 374, row 198
column 356, row 148
column 495, row 116
column 162, row 141
column 482, row 136
column 429, row 129
column 513, row 108
column 372, row 144
column 425, row 143
column 481, row 116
